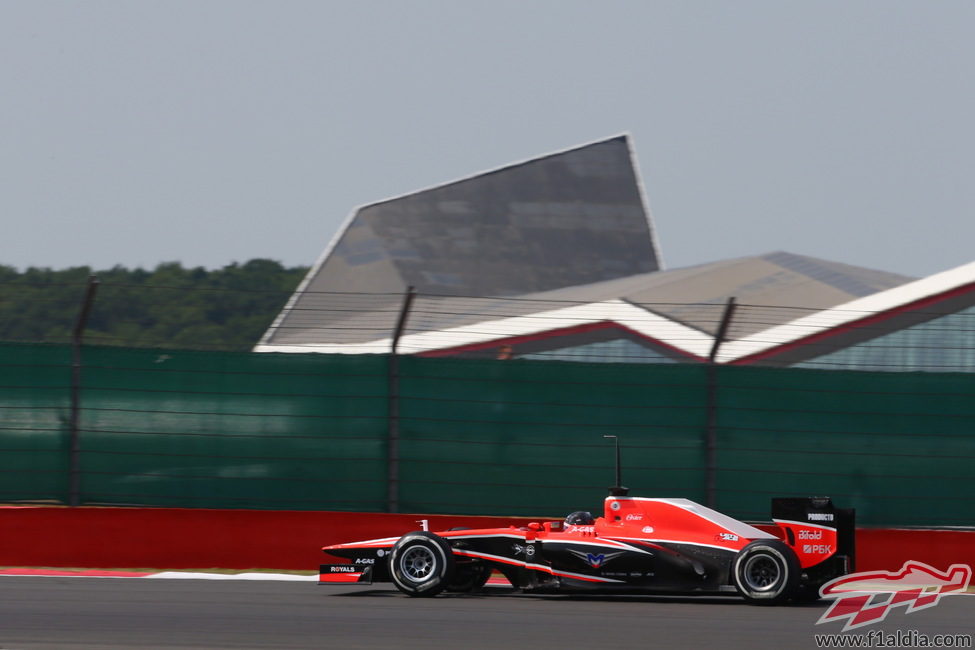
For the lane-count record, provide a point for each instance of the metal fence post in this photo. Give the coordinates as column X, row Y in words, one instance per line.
column 77, row 338
column 711, row 431
column 392, row 436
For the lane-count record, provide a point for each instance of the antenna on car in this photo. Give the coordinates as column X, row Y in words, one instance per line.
column 618, row 490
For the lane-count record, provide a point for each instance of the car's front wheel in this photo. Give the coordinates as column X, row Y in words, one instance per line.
column 766, row 572
column 421, row 564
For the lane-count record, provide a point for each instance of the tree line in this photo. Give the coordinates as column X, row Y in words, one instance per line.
column 169, row 306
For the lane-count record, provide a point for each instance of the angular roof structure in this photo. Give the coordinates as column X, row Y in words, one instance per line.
column 573, row 217
column 679, row 309
column 556, row 258
column 696, row 295
column 858, row 320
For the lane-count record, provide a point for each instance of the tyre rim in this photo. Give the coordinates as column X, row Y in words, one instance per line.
column 761, row 572
column 418, row 564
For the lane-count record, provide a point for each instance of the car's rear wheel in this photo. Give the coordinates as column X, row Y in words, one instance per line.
column 766, row 572
column 421, row 564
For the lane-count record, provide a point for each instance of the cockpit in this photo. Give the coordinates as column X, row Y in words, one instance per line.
column 580, row 518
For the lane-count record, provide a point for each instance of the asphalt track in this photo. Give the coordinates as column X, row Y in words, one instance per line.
column 139, row 613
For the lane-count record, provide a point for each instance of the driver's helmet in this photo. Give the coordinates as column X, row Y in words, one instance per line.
column 580, row 518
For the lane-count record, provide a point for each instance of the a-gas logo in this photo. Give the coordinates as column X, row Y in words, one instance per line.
column 585, row 530
column 916, row 586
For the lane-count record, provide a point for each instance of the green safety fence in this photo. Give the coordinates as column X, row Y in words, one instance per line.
column 899, row 447
column 525, row 437
column 35, row 397
column 309, row 431
column 197, row 429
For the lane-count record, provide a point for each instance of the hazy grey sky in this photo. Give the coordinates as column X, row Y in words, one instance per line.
column 218, row 131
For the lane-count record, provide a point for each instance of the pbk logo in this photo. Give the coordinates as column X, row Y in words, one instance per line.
column 817, row 549
column 867, row 597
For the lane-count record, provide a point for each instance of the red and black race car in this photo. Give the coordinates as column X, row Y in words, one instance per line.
column 639, row 545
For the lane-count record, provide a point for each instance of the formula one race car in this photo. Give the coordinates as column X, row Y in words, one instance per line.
column 639, row 545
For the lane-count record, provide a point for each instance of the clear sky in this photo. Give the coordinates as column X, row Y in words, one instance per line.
column 213, row 131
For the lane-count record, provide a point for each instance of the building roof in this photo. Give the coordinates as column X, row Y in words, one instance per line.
column 856, row 320
column 680, row 308
column 696, row 295
column 568, row 218
column 560, row 251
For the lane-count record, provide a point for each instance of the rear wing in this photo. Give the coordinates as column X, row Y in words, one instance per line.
column 822, row 535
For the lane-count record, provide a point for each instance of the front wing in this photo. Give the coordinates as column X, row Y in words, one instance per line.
column 331, row 574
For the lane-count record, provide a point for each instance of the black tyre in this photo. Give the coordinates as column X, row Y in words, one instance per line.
column 470, row 576
column 766, row 572
column 421, row 564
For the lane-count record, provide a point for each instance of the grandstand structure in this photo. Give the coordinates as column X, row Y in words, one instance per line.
column 557, row 258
